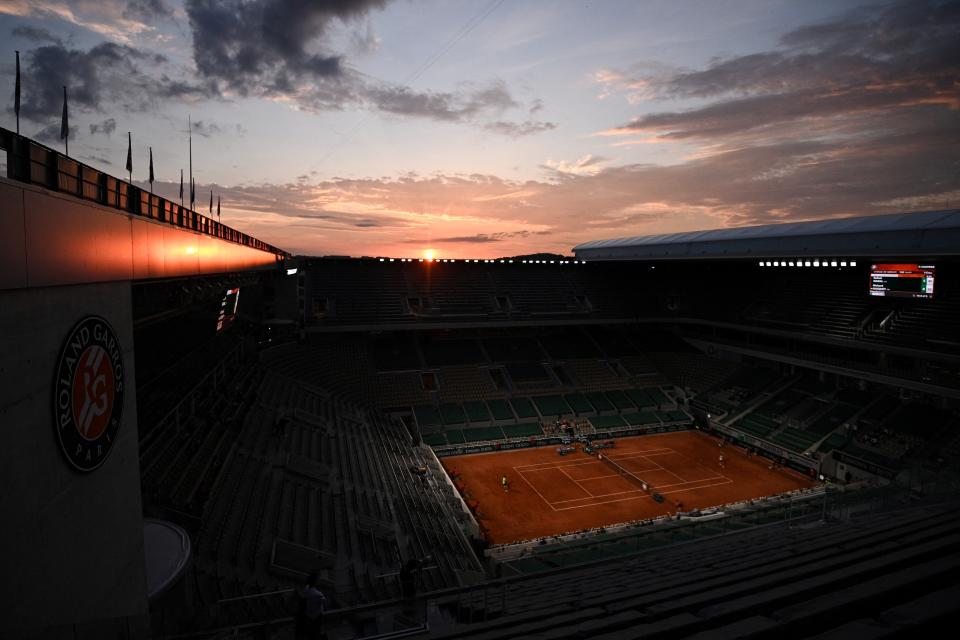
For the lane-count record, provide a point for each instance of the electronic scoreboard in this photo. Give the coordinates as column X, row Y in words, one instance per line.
column 902, row 280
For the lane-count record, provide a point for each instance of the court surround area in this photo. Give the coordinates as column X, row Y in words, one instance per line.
column 550, row 494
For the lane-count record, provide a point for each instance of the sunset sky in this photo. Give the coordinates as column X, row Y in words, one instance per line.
column 500, row 127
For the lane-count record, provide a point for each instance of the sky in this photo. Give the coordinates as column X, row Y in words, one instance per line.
column 501, row 127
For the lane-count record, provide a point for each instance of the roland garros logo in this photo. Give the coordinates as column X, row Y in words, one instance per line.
column 88, row 393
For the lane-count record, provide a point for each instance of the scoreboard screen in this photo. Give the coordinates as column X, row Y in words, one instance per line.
column 904, row 280
column 228, row 309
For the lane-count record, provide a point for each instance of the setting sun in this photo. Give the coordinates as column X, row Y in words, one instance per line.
column 429, row 254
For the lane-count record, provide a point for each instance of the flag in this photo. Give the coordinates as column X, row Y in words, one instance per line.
column 151, row 167
column 129, row 153
column 65, row 122
column 211, row 201
column 218, row 207
column 181, row 186
column 193, row 192
column 16, row 94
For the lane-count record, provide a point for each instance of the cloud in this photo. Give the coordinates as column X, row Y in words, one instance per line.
column 588, row 165
column 106, row 127
column 870, row 63
column 478, row 238
column 365, row 42
column 251, row 44
column 451, row 107
column 108, row 73
column 911, row 162
column 147, row 10
column 50, row 134
column 205, row 128
column 280, row 49
column 119, row 21
column 35, row 34
column 96, row 160
column 519, row 129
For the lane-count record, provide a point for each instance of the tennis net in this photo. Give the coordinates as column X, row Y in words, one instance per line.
column 627, row 474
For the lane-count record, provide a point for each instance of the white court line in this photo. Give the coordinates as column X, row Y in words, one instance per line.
column 535, row 489
column 584, row 506
column 594, row 504
column 561, row 463
column 657, row 489
column 600, row 495
column 662, row 468
column 582, row 488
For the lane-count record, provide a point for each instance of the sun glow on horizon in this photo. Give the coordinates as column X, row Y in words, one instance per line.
column 429, row 254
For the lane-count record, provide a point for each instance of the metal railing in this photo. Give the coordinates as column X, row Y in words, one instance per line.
column 31, row 162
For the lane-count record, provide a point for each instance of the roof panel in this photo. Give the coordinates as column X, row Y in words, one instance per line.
column 883, row 234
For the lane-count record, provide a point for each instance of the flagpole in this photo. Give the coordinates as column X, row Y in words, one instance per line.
column 16, row 97
column 129, row 158
column 65, row 125
column 190, row 138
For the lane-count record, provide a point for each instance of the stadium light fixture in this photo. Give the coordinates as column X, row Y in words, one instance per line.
column 807, row 263
column 853, row 264
column 843, row 263
column 833, row 263
column 761, row 263
column 776, row 263
column 381, row 259
column 510, row 261
column 292, row 272
column 791, row 263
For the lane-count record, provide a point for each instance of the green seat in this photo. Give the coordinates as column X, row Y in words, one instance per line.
column 434, row 439
column 452, row 413
column 619, row 400
column 551, row 406
column 476, row 411
column 641, row 418
column 578, row 403
column 607, row 422
column 523, row 408
column 599, row 401
column 640, row 398
column 500, row 409
column 482, row 434
column 427, row 415
column 522, row 430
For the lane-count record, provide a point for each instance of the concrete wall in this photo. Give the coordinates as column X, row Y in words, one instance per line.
column 49, row 238
column 72, row 542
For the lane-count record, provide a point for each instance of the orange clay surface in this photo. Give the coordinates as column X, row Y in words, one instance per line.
column 550, row 494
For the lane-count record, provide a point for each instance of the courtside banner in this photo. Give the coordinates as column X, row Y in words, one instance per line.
column 88, row 393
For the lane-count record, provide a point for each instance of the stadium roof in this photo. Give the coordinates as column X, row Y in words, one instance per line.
column 923, row 234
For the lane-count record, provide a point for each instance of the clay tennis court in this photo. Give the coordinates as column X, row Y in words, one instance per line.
column 552, row 494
